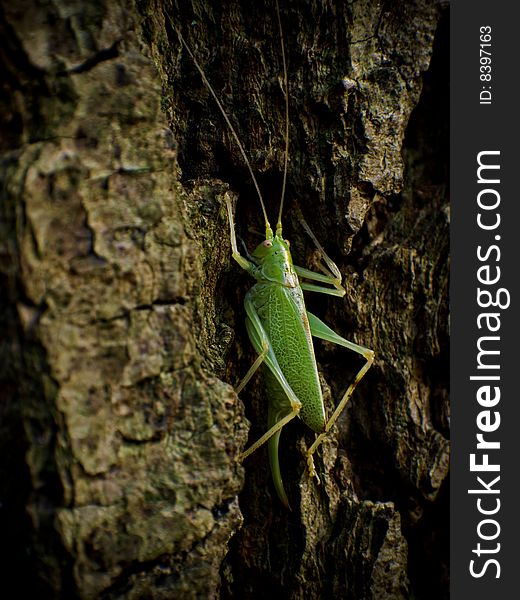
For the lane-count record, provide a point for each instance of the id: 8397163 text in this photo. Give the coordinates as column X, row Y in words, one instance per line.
column 485, row 65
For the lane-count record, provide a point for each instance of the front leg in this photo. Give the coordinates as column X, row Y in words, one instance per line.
column 246, row 264
column 331, row 272
column 337, row 290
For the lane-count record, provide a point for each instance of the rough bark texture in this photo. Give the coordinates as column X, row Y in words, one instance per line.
column 122, row 319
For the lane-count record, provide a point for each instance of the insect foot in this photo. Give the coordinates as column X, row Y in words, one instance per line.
column 311, row 469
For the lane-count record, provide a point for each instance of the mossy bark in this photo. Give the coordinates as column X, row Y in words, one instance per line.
column 122, row 319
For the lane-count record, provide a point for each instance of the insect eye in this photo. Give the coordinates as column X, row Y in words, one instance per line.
column 287, row 242
column 267, row 244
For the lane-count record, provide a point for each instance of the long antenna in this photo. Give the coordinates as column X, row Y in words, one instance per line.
column 286, row 92
column 224, row 114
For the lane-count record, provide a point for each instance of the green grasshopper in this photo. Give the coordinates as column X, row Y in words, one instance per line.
column 278, row 324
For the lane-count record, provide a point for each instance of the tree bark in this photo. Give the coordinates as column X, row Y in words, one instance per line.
column 122, row 315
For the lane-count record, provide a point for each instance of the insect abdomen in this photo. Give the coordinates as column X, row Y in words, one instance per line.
column 282, row 312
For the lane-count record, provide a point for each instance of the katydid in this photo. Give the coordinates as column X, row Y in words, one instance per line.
column 277, row 322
